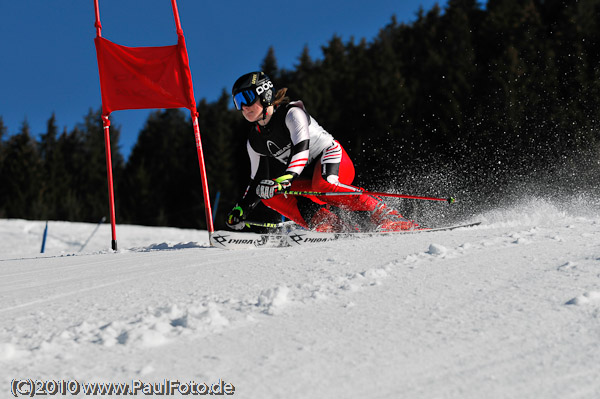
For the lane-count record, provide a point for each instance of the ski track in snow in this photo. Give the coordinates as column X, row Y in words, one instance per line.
column 500, row 286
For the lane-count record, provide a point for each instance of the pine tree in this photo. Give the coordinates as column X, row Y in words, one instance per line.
column 48, row 186
column 577, row 63
column 93, row 185
column 300, row 81
column 333, row 80
column 269, row 65
column 385, row 100
column 3, row 131
column 161, row 173
column 222, row 146
column 21, row 176
column 68, row 161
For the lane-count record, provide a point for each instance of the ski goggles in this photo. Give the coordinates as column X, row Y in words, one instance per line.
column 245, row 97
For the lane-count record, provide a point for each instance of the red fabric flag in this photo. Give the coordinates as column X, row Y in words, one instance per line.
column 144, row 77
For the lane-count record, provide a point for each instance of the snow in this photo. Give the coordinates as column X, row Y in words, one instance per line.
column 507, row 309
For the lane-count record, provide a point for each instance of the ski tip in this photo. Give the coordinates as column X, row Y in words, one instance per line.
column 451, row 200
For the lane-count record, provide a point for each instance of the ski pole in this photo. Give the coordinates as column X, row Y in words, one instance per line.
column 269, row 224
column 449, row 200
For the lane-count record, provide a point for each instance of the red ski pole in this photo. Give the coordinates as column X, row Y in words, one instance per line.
column 449, row 200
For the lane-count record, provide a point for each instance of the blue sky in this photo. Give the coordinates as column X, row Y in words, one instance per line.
column 49, row 60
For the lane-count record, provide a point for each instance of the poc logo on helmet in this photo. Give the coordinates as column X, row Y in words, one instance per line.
column 263, row 87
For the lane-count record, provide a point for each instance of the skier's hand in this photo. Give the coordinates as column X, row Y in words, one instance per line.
column 267, row 188
column 235, row 218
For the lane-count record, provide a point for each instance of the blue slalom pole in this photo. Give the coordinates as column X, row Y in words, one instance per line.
column 216, row 205
column 44, row 238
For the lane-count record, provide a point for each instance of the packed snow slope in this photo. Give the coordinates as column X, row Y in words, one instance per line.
column 508, row 309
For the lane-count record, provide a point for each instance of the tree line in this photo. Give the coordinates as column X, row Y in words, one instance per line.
column 469, row 100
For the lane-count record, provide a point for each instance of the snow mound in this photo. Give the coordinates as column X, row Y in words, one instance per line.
column 567, row 266
column 375, row 274
column 437, row 250
column 9, row 351
column 153, row 327
column 585, row 298
column 272, row 300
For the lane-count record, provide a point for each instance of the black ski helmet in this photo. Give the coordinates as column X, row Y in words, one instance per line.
column 252, row 86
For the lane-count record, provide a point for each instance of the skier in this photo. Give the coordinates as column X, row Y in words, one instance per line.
column 308, row 159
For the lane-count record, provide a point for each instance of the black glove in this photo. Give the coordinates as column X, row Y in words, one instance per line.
column 267, row 188
column 235, row 218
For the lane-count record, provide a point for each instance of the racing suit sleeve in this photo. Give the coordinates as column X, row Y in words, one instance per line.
column 259, row 169
column 297, row 123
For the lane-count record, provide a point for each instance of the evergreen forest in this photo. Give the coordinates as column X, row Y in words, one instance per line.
column 484, row 102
